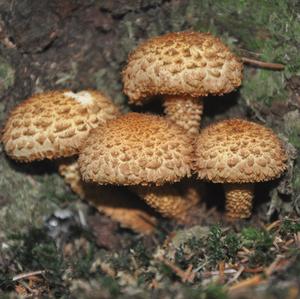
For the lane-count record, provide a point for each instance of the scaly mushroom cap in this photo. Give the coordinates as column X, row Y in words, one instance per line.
column 54, row 124
column 239, row 151
column 181, row 63
column 136, row 149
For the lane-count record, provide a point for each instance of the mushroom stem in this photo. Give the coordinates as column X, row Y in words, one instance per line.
column 238, row 200
column 111, row 202
column 68, row 168
column 167, row 200
column 185, row 111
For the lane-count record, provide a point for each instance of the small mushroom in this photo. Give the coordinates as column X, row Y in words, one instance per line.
column 54, row 125
column 184, row 67
column 239, row 153
column 140, row 150
column 111, row 201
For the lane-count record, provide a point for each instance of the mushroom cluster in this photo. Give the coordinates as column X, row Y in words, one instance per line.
column 151, row 154
column 55, row 125
column 141, row 150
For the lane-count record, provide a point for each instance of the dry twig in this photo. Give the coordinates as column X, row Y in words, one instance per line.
column 262, row 64
column 221, row 272
column 273, row 225
column 186, row 276
column 249, row 282
column 236, row 276
column 27, row 275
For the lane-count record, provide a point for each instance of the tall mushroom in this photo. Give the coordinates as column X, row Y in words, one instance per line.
column 184, row 67
column 238, row 153
column 54, row 125
column 142, row 151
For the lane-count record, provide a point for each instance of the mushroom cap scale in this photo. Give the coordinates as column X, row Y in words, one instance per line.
column 54, row 124
column 136, row 149
column 181, row 63
column 239, row 151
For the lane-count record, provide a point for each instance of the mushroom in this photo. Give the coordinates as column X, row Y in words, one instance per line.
column 111, row 201
column 184, row 67
column 140, row 150
column 169, row 200
column 54, row 125
column 239, row 153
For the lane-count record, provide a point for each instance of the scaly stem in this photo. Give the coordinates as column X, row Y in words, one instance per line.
column 185, row 111
column 167, row 200
column 239, row 200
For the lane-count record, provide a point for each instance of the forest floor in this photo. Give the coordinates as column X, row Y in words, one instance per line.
column 54, row 245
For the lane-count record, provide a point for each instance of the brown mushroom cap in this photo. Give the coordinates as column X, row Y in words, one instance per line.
column 54, row 124
column 181, row 63
column 136, row 149
column 239, row 151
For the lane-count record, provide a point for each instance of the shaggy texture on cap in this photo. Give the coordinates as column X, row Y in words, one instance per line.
column 181, row 63
column 54, row 124
column 239, row 151
column 137, row 149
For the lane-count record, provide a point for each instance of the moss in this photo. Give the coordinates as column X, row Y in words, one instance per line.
column 106, row 82
column 296, row 187
column 260, row 241
column 291, row 127
column 141, row 255
column 66, row 77
column 264, row 86
column 222, row 247
column 121, row 261
column 215, row 291
column 289, row 227
column 232, row 243
column 257, row 238
column 145, row 278
column 35, row 251
column 28, row 197
column 215, row 248
column 111, row 285
column 192, row 236
column 211, row 248
column 82, row 263
column 7, row 75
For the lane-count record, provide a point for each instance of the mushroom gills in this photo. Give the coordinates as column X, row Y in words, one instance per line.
column 239, row 199
column 185, row 111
